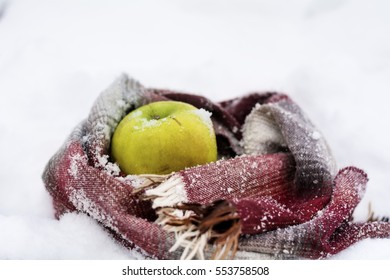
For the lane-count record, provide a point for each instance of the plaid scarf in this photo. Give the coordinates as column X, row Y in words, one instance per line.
column 274, row 193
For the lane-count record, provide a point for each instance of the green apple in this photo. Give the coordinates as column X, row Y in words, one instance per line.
column 164, row 137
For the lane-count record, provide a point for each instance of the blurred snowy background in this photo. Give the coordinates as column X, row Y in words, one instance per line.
column 331, row 56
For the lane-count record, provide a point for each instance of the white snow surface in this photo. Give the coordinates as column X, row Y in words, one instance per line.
column 331, row 56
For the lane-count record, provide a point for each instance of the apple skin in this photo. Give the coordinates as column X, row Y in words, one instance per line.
column 163, row 137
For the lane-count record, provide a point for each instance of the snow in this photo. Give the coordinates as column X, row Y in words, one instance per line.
column 331, row 56
column 72, row 237
column 205, row 117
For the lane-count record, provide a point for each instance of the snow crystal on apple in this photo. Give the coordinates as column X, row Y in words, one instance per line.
column 151, row 123
column 205, row 116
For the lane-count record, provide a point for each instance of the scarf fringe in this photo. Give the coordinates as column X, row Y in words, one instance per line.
column 195, row 226
column 149, row 181
column 169, row 193
column 198, row 226
column 371, row 217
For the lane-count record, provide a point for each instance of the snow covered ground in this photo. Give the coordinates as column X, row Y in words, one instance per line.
column 331, row 56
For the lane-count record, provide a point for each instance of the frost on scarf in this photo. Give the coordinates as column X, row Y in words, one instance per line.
column 274, row 193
